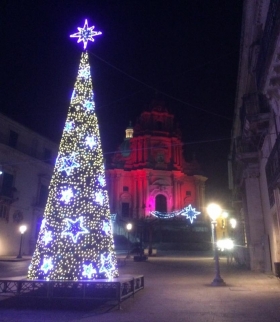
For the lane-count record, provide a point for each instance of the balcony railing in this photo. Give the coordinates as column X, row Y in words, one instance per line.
column 273, row 166
column 268, row 38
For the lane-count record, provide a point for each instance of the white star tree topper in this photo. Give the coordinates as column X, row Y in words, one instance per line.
column 86, row 34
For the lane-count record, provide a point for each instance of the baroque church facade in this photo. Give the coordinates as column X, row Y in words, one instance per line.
column 149, row 173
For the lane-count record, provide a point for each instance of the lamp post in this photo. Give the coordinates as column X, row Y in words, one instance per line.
column 214, row 211
column 22, row 230
column 128, row 227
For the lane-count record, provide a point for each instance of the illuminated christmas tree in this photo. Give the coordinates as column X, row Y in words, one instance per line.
column 75, row 241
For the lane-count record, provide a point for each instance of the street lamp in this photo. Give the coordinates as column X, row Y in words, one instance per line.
column 22, row 230
column 128, row 227
column 214, row 211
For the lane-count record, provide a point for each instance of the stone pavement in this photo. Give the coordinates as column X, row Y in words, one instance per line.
column 177, row 288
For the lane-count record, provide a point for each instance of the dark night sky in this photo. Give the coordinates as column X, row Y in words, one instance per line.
column 186, row 50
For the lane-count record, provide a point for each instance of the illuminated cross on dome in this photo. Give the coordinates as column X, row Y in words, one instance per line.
column 85, row 34
column 75, row 228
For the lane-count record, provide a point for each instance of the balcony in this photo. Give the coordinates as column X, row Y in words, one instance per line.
column 273, row 166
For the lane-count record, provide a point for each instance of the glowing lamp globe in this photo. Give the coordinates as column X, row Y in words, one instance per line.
column 214, row 211
column 22, row 229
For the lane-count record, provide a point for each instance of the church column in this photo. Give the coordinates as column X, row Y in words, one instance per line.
column 135, row 197
column 137, row 150
column 198, row 205
column 118, row 194
column 113, row 196
column 174, row 192
column 148, row 209
column 140, row 208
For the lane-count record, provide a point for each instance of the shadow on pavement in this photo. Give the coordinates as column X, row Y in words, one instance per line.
column 24, row 303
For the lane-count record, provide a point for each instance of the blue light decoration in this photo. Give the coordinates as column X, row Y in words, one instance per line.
column 88, row 271
column 75, row 228
column 91, row 141
column 89, row 106
column 189, row 212
column 47, row 265
column 73, row 95
column 69, row 126
column 101, row 181
column 84, row 73
column 99, row 197
column 106, row 227
column 47, row 237
column 68, row 163
column 107, row 266
column 67, row 195
column 85, row 34
column 113, row 217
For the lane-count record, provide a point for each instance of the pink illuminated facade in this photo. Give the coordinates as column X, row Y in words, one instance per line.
column 149, row 172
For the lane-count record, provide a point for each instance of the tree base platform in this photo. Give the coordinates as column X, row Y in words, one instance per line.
column 116, row 289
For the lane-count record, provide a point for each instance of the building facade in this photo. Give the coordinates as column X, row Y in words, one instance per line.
column 255, row 146
column 148, row 172
column 26, row 163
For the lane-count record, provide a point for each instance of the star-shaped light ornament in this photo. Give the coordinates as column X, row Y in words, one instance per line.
column 84, row 73
column 75, row 228
column 68, row 163
column 99, row 197
column 47, row 237
column 190, row 213
column 66, row 195
column 107, row 266
column 91, row 141
column 88, row 105
column 106, row 227
column 86, row 34
column 69, row 126
column 101, row 180
column 88, row 270
column 47, row 265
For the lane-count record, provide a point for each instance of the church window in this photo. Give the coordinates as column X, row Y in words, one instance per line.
column 188, row 193
column 125, row 188
column 125, row 209
column 161, row 203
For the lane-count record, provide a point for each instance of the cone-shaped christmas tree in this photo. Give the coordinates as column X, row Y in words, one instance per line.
column 75, row 241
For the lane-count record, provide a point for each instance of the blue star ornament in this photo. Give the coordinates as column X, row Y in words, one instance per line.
column 106, row 227
column 75, row 228
column 89, row 105
column 88, row 270
column 91, row 141
column 190, row 213
column 107, row 266
column 66, row 195
column 47, row 265
column 47, row 237
column 84, row 73
column 85, row 34
column 69, row 163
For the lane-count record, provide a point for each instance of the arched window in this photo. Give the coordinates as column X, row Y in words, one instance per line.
column 161, row 203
